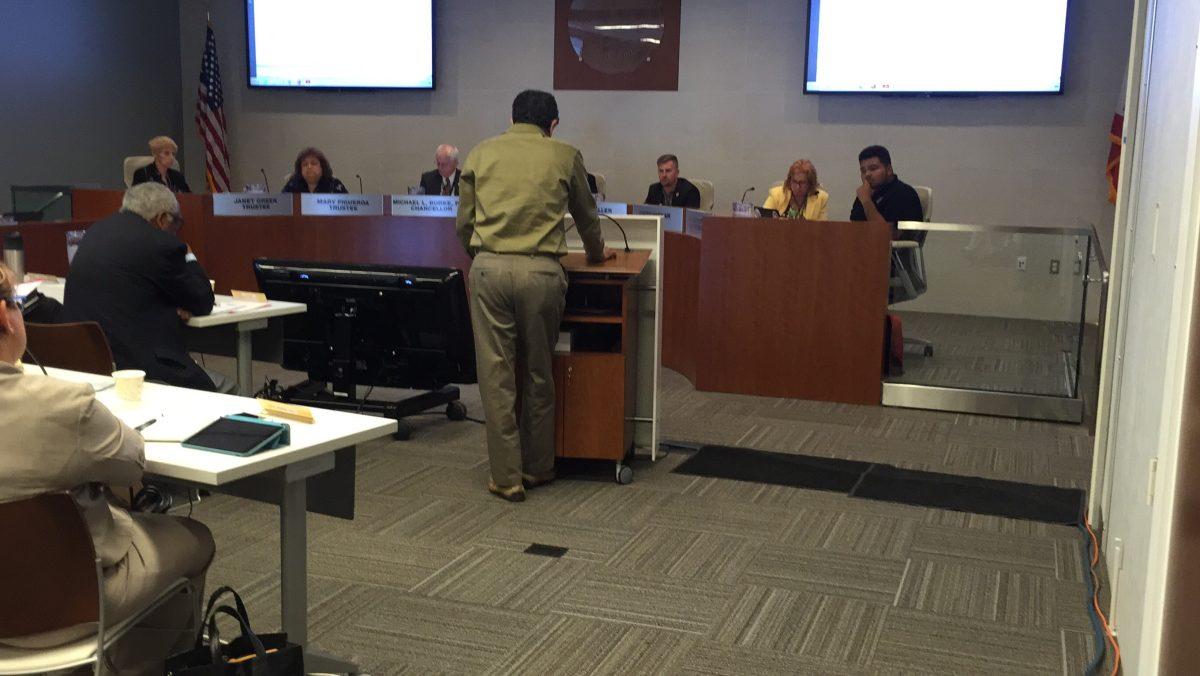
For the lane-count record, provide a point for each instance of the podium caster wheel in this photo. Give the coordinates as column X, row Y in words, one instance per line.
column 928, row 351
column 456, row 410
column 403, row 431
column 624, row 474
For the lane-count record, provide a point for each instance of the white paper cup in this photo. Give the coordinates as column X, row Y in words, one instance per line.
column 128, row 384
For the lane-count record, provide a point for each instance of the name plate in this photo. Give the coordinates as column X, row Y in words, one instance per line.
column 612, row 208
column 251, row 204
column 341, row 205
column 743, row 210
column 424, row 205
column 672, row 217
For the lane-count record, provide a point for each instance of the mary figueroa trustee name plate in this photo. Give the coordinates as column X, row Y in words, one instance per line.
column 341, row 205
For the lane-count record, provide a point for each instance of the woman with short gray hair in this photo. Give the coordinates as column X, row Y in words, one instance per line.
column 161, row 170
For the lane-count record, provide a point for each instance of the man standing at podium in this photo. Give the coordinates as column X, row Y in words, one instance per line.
column 513, row 191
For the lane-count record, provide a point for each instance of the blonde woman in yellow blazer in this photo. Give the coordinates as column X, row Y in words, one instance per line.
column 800, row 196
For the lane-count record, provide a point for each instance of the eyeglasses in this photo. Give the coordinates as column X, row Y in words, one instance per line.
column 19, row 304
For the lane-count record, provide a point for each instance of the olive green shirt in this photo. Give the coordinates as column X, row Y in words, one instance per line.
column 514, row 191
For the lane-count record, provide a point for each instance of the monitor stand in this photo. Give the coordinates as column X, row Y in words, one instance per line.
column 342, row 392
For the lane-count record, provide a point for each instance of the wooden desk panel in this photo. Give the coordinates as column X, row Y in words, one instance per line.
column 793, row 308
column 93, row 205
column 232, row 244
column 45, row 244
column 680, row 302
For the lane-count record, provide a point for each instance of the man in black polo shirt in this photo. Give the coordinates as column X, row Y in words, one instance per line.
column 882, row 195
column 671, row 189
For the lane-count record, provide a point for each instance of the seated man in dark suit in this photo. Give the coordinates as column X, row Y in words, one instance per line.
column 444, row 179
column 671, row 189
column 133, row 276
column 883, row 197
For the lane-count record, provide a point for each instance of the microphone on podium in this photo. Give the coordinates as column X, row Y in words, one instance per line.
column 359, row 183
column 748, row 191
column 266, row 184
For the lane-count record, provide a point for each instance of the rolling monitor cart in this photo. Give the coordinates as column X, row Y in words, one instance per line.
column 374, row 326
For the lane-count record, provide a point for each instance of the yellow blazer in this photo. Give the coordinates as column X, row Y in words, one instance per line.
column 814, row 209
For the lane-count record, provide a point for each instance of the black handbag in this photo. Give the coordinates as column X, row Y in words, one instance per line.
column 249, row 654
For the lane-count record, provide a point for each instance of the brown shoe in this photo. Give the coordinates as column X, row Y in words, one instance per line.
column 510, row 493
column 535, row 480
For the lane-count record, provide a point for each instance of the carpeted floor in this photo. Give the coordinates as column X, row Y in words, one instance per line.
column 685, row 574
column 991, row 353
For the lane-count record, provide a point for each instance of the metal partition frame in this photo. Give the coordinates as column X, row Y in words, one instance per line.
column 1004, row 404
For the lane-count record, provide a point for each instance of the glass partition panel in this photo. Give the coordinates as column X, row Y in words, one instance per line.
column 992, row 309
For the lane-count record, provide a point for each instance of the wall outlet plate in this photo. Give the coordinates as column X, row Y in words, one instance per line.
column 1022, row 262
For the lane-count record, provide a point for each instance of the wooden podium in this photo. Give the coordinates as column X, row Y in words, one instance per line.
column 595, row 382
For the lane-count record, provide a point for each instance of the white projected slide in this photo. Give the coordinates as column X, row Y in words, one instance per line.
column 347, row 43
column 883, row 46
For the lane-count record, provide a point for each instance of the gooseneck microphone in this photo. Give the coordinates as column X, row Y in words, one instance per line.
column 623, row 235
column 359, row 183
column 266, row 184
column 748, row 191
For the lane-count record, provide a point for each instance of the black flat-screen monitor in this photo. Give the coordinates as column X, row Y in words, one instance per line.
column 936, row 46
column 347, row 44
column 384, row 325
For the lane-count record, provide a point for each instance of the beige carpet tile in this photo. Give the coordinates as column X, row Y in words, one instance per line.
column 731, row 518
column 585, row 540
column 832, row 628
column 399, row 631
column 1078, row 649
column 677, row 553
column 875, row 536
column 454, row 483
column 1072, row 602
column 976, row 592
column 851, row 575
column 999, row 551
column 712, row 659
column 1069, row 557
column 443, row 521
column 365, row 558
column 504, row 579
column 1000, row 525
column 620, row 505
column 917, row 642
column 676, row 604
column 381, row 467
column 577, row 645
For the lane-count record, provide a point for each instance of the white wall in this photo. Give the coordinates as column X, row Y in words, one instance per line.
column 739, row 117
column 1157, row 252
column 84, row 85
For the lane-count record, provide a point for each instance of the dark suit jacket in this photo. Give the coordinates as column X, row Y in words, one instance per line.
column 327, row 184
column 431, row 181
column 685, row 195
column 149, row 173
column 131, row 277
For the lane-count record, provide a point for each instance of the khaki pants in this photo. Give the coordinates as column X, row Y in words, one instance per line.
column 516, row 307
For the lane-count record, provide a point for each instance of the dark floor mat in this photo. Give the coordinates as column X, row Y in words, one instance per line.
column 781, row 469
column 972, row 494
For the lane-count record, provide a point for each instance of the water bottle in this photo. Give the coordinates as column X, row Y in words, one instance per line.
column 14, row 255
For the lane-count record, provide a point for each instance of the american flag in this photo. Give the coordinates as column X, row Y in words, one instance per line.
column 210, row 118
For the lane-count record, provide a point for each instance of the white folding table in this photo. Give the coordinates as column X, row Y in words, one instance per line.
column 247, row 315
column 181, row 412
